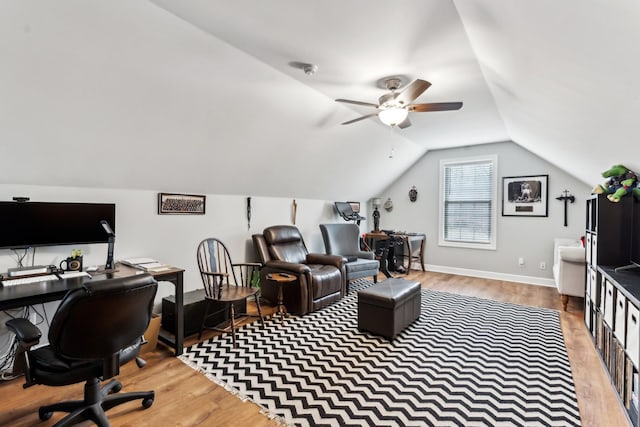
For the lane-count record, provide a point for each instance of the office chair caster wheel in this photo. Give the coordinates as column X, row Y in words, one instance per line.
column 146, row 403
column 116, row 388
column 44, row 415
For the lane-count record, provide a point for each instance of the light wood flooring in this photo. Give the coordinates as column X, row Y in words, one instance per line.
column 186, row 398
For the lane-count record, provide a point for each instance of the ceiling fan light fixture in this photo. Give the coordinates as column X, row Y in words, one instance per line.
column 393, row 116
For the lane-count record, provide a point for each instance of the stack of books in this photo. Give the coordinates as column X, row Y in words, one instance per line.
column 145, row 264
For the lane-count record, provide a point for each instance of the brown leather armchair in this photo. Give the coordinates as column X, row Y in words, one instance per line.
column 321, row 280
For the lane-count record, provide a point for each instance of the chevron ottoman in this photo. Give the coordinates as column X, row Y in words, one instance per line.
column 388, row 307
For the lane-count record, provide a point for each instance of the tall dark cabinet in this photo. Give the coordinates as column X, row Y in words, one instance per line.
column 612, row 295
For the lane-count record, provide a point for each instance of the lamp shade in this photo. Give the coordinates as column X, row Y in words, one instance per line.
column 393, row 116
column 375, row 202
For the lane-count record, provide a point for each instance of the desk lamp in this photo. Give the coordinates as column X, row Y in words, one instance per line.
column 112, row 238
column 376, row 214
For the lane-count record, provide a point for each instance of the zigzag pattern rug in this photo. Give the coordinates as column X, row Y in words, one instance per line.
column 465, row 362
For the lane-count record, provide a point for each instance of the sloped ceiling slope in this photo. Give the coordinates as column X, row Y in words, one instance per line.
column 561, row 74
column 564, row 76
column 200, row 96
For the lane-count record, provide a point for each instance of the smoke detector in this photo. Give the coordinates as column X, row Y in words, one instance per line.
column 310, row 69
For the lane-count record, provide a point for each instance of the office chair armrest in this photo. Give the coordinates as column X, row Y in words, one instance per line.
column 335, row 260
column 26, row 332
column 288, row 266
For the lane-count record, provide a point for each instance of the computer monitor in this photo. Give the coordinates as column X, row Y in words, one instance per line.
column 31, row 224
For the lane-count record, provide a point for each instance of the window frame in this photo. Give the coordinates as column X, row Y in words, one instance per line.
column 491, row 244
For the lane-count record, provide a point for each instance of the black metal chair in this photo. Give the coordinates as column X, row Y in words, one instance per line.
column 227, row 283
column 96, row 328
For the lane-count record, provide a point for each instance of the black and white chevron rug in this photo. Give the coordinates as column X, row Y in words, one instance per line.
column 465, row 362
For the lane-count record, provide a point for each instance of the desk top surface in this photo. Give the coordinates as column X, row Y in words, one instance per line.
column 39, row 292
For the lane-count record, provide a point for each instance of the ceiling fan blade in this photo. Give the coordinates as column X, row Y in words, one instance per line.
column 366, row 104
column 412, row 91
column 435, row 106
column 405, row 123
column 360, row 118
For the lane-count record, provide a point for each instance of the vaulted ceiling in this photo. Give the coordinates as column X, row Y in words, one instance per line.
column 208, row 95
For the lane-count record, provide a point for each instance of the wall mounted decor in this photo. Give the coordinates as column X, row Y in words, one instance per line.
column 295, row 211
column 169, row 203
column 566, row 197
column 388, row 205
column 525, row 195
column 413, row 194
column 248, row 213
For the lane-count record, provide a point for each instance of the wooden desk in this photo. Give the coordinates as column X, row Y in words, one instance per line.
column 37, row 293
column 176, row 341
column 411, row 240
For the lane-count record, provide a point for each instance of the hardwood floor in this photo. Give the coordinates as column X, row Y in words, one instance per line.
column 185, row 397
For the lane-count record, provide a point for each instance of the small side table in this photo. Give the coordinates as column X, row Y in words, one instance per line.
column 281, row 280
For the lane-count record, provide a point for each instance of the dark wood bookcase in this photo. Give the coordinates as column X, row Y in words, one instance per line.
column 612, row 295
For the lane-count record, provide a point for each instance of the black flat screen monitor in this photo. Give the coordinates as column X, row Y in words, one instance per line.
column 32, row 224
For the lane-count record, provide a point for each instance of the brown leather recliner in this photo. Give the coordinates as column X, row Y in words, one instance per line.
column 321, row 280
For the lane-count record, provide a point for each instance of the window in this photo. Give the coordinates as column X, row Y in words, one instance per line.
column 468, row 202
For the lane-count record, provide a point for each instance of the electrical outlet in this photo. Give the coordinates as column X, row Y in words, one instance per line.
column 543, row 265
column 521, row 262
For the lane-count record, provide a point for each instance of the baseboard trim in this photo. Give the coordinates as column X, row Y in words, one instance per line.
column 529, row 280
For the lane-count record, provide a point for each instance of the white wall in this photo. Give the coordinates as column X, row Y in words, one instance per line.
column 527, row 237
column 171, row 239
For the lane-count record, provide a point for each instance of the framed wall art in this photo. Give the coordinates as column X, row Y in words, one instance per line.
column 169, row 203
column 525, row 195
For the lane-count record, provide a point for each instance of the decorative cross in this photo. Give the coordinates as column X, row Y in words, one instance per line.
column 565, row 196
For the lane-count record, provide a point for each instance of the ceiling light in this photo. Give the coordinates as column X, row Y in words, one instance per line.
column 393, row 116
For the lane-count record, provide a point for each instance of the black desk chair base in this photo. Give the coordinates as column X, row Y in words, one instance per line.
column 89, row 348
column 96, row 401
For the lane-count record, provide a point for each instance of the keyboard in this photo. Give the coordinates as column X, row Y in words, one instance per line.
column 25, row 280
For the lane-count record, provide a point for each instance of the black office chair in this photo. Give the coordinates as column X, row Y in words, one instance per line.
column 96, row 329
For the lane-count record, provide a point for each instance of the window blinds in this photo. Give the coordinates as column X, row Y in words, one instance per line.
column 468, row 201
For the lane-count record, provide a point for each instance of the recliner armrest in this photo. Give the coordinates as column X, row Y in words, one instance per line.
column 26, row 332
column 366, row 255
column 288, row 266
column 571, row 254
column 325, row 259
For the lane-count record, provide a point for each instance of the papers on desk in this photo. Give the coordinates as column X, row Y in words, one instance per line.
column 145, row 264
column 73, row 274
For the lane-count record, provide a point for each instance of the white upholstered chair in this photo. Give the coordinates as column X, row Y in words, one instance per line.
column 569, row 270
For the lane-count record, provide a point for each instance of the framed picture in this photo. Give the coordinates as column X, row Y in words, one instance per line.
column 525, row 195
column 181, row 204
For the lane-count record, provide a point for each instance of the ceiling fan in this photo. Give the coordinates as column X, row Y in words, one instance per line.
column 395, row 106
